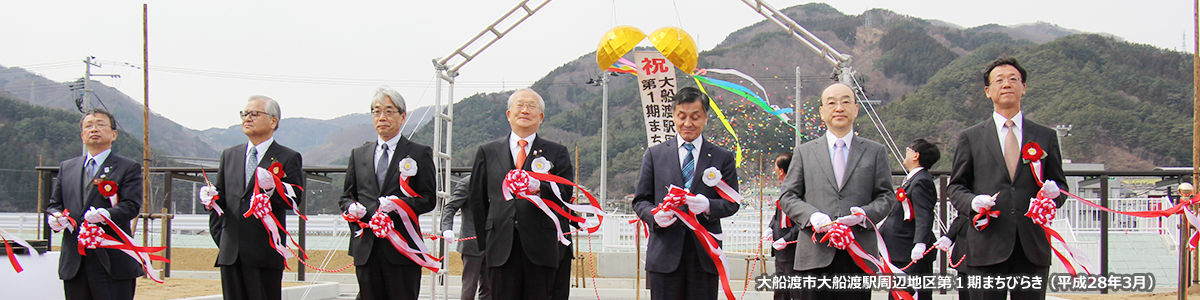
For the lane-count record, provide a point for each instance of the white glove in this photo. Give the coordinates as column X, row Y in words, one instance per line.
column 779, row 244
column 386, row 205
column 535, row 186
column 1050, row 189
column 818, row 220
column 918, row 252
column 58, row 221
column 207, row 193
column 356, row 210
column 664, row 218
column 768, row 233
column 96, row 215
column 981, row 202
column 449, row 236
column 943, row 243
column 856, row 217
column 698, row 203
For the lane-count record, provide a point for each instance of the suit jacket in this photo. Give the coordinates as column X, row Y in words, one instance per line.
column 458, row 201
column 660, row 169
column 900, row 235
column 501, row 218
column 790, row 233
column 230, row 230
column 74, row 193
column 363, row 187
column 979, row 169
column 810, row 187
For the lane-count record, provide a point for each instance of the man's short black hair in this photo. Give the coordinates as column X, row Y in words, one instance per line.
column 928, row 152
column 1003, row 60
column 689, row 95
column 93, row 111
column 783, row 161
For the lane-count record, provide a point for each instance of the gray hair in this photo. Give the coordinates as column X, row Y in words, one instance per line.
column 384, row 91
column 272, row 107
column 512, row 97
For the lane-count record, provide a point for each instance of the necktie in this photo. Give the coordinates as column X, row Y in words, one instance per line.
column 1012, row 152
column 251, row 164
column 521, row 154
column 689, row 166
column 839, row 161
column 91, row 169
column 382, row 166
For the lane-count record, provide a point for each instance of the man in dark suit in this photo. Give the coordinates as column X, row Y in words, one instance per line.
column 474, row 280
column 989, row 175
column 522, row 249
column 912, row 227
column 374, row 171
column 782, row 230
column 102, row 273
column 838, row 174
column 677, row 264
column 250, row 267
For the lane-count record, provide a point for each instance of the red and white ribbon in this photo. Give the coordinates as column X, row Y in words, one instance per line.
column 841, row 237
column 541, row 171
column 905, row 203
column 260, row 207
column 108, row 189
column 1195, row 222
column 712, row 177
column 676, row 197
column 519, row 183
column 408, row 168
column 981, row 219
column 783, row 218
column 382, row 226
column 1042, row 211
column 270, row 181
column 92, row 236
column 12, row 257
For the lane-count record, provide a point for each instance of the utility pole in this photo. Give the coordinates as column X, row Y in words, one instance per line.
column 87, row 76
column 1063, row 131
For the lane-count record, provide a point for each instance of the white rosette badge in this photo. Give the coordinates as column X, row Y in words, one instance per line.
column 408, row 168
column 713, row 178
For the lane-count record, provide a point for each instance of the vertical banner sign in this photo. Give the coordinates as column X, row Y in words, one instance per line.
column 657, row 85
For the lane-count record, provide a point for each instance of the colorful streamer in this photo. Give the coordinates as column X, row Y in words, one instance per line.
column 737, row 144
column 746, row 93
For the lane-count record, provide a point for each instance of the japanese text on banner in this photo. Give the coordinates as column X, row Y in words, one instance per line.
column 657, row 86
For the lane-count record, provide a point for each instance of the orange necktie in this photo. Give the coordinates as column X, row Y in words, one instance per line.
column 521, row 154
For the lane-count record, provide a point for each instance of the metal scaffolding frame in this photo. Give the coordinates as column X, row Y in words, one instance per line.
column 446, row 69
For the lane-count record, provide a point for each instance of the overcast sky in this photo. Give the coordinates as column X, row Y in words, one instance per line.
column 323, row 59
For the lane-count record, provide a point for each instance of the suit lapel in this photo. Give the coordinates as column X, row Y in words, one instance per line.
column 826, row 162
column 73, row 178
column 992, row 143
column 534, row 152
column 1028, row 136
column 701, row 164
column 90, row 192
column 856, row 154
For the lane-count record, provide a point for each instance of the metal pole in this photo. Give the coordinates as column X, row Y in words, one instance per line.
column 1183, row 235
column 1195, row 101
column 637, row 275
column 1104, row 229
column 798, row 107
column 603, row 139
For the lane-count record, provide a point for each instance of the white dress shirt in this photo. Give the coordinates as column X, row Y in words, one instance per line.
column 683, row 151
column 513, row 147
column 1002, row 131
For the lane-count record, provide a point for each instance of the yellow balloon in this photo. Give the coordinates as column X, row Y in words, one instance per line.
column 677, row 45
column 616, row 43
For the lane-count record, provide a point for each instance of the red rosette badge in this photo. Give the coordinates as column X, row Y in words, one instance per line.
column 107, row 188
column 276, row 169
column 1032, row 152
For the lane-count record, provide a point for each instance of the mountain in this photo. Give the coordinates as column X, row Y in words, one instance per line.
column 30, row 133
column 319, row 141
column 166, row 135
column 1120, row 97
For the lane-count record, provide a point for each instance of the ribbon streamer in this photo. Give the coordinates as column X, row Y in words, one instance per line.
column 737, row 143
column 518, row 182
column 905, row 203
column 749, row 95
column 12, row 257
column 92, row 237
column 594, row 207
column 382, row 226
column 675, row 196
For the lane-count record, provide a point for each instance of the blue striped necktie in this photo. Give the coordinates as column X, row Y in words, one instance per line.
column 689, row 166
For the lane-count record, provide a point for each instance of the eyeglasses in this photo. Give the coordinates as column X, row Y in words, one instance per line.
column 97, row 126
column 532, row 106
column 252, row 114
column 376, row 112
column 1011, row 80
column 844, row 103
